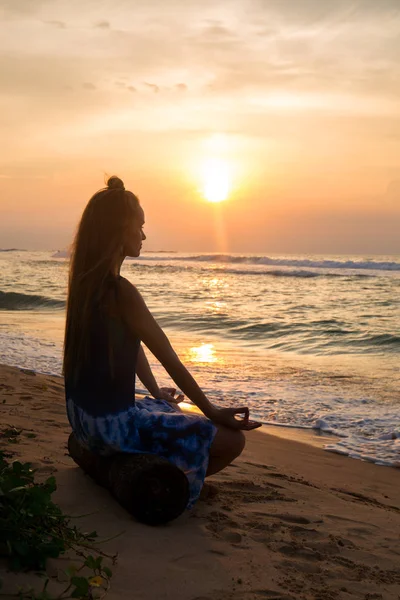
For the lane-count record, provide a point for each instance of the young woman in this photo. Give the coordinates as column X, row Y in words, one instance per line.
column 107, row 319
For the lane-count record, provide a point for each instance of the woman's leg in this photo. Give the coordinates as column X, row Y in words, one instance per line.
column 227, row 445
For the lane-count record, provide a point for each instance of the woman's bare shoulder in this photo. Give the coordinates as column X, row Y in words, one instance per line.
column 128, row 293
column 133, row 308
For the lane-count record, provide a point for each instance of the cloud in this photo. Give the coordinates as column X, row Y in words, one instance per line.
column 311, row 12
column 216, row 30
column 57, row 24
column 256, row 59
column 155, row 88
column 22, row 7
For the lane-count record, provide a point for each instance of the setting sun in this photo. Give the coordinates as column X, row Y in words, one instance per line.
column 216, row 179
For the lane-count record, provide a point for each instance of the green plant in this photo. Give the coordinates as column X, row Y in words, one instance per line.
column 33, row 529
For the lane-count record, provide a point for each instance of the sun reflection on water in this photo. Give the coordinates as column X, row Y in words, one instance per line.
column 215, row 307
column 205, row 353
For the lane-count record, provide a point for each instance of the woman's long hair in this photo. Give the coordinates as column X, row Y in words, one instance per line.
column 95, row 253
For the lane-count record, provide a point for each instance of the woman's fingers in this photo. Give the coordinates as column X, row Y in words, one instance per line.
column 252, row 425
column 245, row 423
column 227, row 417
column 243, row 410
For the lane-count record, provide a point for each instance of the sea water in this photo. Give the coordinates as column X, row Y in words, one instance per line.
column 304, row 341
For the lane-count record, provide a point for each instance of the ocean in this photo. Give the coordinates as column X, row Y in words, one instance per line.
column 310, row 342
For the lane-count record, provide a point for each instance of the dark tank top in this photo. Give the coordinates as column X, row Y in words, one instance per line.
column 107, row 382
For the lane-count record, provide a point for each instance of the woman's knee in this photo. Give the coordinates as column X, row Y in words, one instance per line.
column 228, row 442
column 240, row 442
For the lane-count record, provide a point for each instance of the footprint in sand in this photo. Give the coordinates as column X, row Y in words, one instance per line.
column 4, row 386
column 356, row 497
column 292, row 479
column 265, row 467
column 297, row 551
column 360, row 531
column 223, row 527
column 55, row 387
column 218, row 521
column 348, row 520
column 287, row 518
column 301, row 531
column 245, row 491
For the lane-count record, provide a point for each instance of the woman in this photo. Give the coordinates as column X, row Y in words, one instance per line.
column 107, row 319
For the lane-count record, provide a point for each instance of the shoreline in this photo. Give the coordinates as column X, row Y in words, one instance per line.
column 323, row 396
column 316, row 438
column 312, row 437
column 286, row 521
column 304, row 435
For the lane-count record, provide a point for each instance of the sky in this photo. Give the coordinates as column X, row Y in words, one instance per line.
column 291, row 105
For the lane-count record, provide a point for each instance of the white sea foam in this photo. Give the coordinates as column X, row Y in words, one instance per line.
column 385, row 265
column 29, row 352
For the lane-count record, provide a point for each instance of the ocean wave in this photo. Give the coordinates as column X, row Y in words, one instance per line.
column 320, row 337
column 12, row 250
column 267, row 272
column 61, row 254
column 18, row 301
column 282, row 262
column 384, row 339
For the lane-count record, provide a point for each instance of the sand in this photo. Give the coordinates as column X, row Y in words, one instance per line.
column 285, row 521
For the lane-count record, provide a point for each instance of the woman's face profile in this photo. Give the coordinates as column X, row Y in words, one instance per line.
column 134, row 235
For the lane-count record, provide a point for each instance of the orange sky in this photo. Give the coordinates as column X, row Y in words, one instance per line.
column 298, row 99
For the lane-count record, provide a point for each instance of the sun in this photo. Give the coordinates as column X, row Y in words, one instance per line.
column 216, row 179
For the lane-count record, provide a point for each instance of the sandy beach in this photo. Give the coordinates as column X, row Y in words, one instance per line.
column 287, row 521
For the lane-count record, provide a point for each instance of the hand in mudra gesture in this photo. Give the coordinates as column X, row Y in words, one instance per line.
column 168, row 394
column 227, row 417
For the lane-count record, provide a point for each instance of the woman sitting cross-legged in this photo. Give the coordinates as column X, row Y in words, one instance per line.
column 107, row 319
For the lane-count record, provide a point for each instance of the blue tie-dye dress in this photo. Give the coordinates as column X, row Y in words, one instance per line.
column 104, row 416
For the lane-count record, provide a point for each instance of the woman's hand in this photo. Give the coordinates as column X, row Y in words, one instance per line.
column 168, row 394
column 227, row 417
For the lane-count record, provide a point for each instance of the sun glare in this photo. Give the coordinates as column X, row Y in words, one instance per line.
column 216, row 179
column 204, row 353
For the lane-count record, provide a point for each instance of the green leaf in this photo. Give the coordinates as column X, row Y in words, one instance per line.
column 90, row 562
column 81, row 587
column 18, row 488
column 107, row 572
column 51, row 484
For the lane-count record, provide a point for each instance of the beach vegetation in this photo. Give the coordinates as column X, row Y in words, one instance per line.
column 34, row 529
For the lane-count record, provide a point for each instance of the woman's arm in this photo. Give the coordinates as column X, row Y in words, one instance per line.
column 143, row 325
column 145, row 374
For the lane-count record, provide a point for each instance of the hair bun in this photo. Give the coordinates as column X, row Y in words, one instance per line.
column 115, row 183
